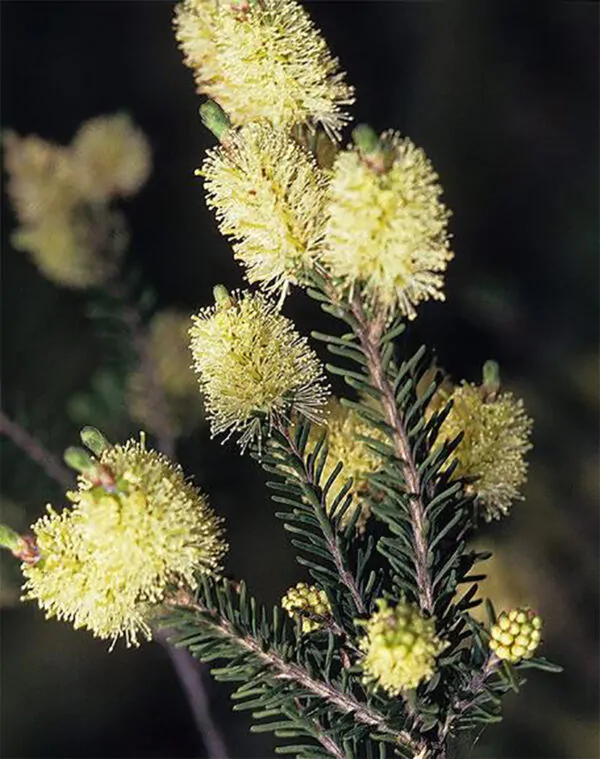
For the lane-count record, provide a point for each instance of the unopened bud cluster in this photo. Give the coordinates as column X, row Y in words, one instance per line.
column 308, row 603
column 516, row 634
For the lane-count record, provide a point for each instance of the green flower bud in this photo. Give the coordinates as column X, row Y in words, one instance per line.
column 80, row 460
column 9, row 538
column 215, row 119
column 94, row 440
column 491, row 378
column 365, row 138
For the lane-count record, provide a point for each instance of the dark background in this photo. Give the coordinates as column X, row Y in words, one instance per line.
column 504, row 99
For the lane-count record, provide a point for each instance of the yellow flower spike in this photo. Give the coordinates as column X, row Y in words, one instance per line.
column 110, row 558
column 516, row 634
column 268, row 194
column 263, row 60
column 42, row 187
column 111, row 157
column 62, row 249
column 251, row 363
column 61, row 197
column 41, row 179
column 400, row 647
column 386, row 229
column 344, row 428
column 496, row 438
column 308, row 603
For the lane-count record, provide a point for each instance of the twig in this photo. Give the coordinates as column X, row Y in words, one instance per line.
column 189, row 672
column 369, row 333
column 36, row 451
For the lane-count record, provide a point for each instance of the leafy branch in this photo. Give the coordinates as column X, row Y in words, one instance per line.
column 370, row 334
column 228, row 624
column 307, row 469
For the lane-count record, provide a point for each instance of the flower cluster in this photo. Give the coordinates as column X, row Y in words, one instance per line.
column 496, row 433
column 268, row 195
column 252, row 364
column 135, row 527
column 112, row 158
column 170, row 356
column 386, row 232
column 308, row 603
column 344, row 432
column 400, row 647
column 516, row 634
column 262, row 60
column 62, row 195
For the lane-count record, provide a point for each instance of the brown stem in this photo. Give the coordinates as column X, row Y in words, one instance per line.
column 189, row 673
column 284, row 670
column 36, row 451
column 369, row 333
column 345, row 574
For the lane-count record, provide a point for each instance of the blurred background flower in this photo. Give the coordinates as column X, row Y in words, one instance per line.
column 503, row 99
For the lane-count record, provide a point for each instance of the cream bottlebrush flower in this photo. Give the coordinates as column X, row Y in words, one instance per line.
column 252, row 363
column 41, row 181
column 308, row 603
column 170, row 355
column 496, row 438
column 268, row 195
column 262, row 60
column 516, row 635
column 111, row 157
column 386, row 229
column 61, row 197
column 400, row 647
column 110, row 558
column 62, row 248
column 344, row 430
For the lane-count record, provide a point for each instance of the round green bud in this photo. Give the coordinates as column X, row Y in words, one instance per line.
column 516, row 634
